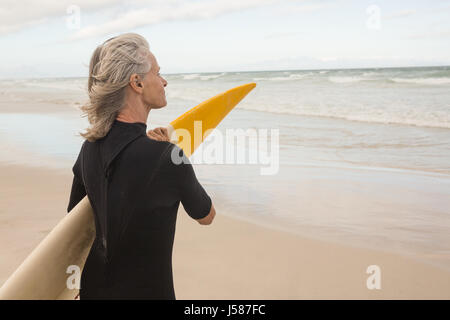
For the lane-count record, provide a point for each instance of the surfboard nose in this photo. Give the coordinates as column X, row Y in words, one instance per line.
column 190, row 129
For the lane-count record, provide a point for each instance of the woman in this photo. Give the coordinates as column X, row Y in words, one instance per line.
column 128, row 174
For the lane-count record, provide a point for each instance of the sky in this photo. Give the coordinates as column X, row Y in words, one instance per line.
column 44, row 38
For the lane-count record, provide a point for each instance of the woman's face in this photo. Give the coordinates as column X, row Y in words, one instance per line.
column 153, row 93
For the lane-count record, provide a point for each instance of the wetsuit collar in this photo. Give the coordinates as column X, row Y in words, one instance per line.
column 118, row 137
column 141, row 125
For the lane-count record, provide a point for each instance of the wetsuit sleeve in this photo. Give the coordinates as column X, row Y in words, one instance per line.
column 194, row 198
column 78, row 191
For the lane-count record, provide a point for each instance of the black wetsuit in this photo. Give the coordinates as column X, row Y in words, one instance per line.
column 131, row 257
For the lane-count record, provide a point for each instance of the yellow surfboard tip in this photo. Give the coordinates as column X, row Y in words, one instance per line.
column 207, row 115
column 247, row 87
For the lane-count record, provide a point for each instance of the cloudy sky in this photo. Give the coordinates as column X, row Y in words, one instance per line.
column 45, row 38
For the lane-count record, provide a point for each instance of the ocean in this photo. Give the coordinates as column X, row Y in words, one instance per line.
column 364, row 154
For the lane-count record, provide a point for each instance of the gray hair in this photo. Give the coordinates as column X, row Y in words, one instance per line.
column 110, row 69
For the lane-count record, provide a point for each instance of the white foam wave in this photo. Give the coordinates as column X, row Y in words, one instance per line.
column 295, row 76
column 191, row 76
column 424, row 81
column 212, row 76
column 419, row 119
column 349, row 79
column 201, row 76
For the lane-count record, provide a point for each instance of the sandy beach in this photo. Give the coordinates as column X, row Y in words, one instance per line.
column 230, row 259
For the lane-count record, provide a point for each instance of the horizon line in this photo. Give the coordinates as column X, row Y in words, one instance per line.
column 244, row 71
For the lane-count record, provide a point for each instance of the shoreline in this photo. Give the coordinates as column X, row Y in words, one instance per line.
column 230, row 259
column 19, row 156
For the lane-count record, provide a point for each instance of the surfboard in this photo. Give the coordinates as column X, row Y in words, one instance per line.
column 53, row 269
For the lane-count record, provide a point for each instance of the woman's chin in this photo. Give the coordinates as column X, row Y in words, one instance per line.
column 164, row 103
column 158, row 106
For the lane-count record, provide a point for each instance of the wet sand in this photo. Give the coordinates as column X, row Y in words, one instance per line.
column 230, row 259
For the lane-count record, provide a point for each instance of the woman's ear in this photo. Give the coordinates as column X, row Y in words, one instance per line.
column 136, row 80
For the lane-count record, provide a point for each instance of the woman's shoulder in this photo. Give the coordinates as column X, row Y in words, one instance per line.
column 147, row 148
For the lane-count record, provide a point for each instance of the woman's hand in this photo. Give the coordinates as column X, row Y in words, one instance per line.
column 159, row 134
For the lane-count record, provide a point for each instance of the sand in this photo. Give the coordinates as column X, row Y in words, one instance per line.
column 229, row 259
